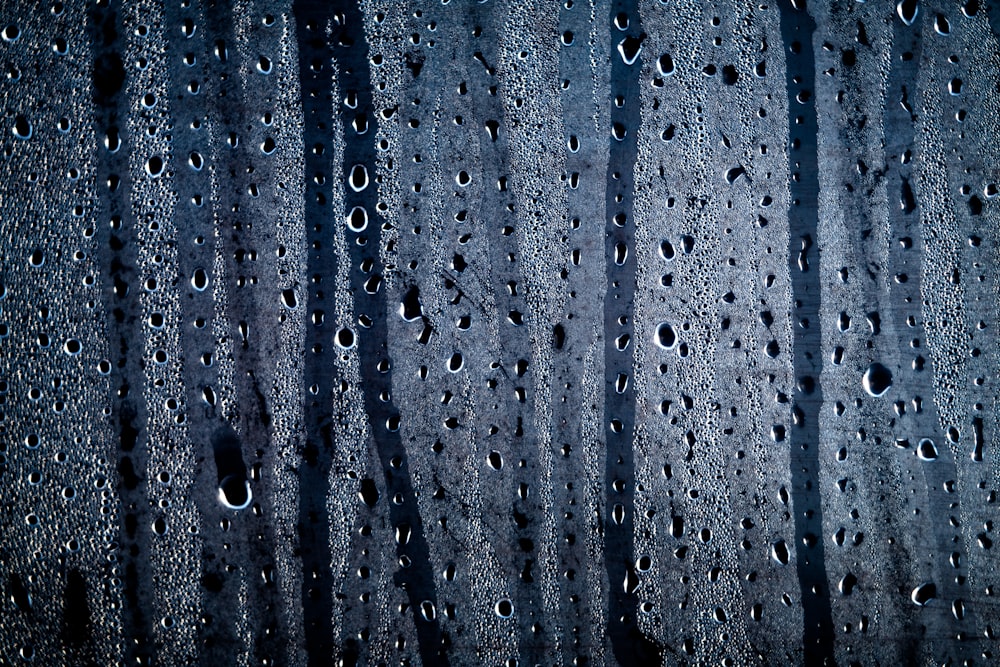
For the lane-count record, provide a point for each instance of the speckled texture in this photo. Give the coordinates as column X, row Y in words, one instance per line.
column 615, row 332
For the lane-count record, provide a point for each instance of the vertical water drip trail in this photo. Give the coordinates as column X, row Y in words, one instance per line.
column 797, row 28
column 217, row 634
column 527, row 560
column 415, row 574
column 77, row 621
column 630, row 646
column 311, row 20
column 238, row 238
column 901, row 115
column 119, row 276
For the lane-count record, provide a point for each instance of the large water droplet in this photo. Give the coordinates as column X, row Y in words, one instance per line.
column 877, row 379
column 665, row 336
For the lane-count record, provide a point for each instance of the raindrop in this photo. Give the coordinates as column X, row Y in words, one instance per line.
column 357, row 219
column 665, row 65
column 927, row 450
column 504, row 608
column 877, row 380
column 907, row 11
column 235, row 493
column 629, row 49
column 847, row 584
column 665, row 336
column 734, row 173
column 22, row 128
column 409, row 308
column 779, row 552
column 345, row 338
column 199, row 280
column 359, row 178
column 621, row 253
column 368, row 492
column 154, row 166
column 288, row 299
column 923, row 594
column 729, row 76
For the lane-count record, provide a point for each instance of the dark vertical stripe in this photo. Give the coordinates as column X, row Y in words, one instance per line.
column 523, row 516
column 311, row 19
column 630, row 646
column 797, row 28
column 115, row 236
column 216, row 635
column 905, row 212
column 992, row 14
column 76, row 628
column 239, row 240
column 415, row 574
column 580, row 601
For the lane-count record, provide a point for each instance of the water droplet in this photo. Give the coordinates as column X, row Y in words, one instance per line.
column 199, row 280
column 941, row 25
column 22, row 128
column 368, row 492
column 345, row 338
column 847, row 584
column 665, row 65
column 665, row 336
column 923, row 594
column 504, row 608
column 11, row 33
column 154, row 166
column 409, row 308
column 629, row 49
column 779, row 552
column 235, row 493
column 907, row 11
column 357, row 219
column 359, row 178
column 877, row 380
column 927, row 450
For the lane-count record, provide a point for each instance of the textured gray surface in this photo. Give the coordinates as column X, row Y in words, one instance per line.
column 540, row 333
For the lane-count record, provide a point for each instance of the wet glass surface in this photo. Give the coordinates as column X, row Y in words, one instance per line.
column 503, row 332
